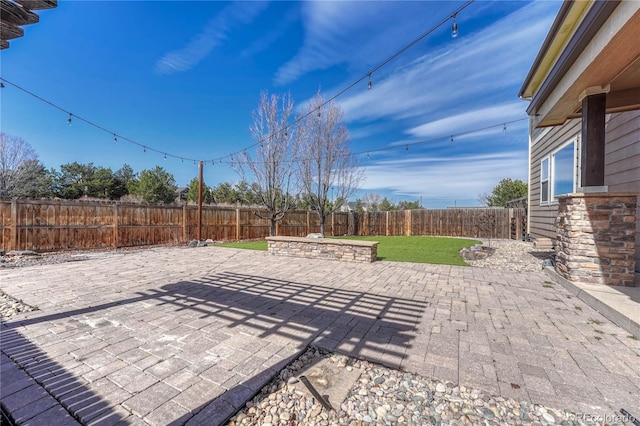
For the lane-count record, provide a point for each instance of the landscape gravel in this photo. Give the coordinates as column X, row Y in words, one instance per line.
column 383, row 396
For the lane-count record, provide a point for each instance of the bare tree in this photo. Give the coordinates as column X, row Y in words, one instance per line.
column 327, row 164
column 371, row 201
column 271, row 168
column 483, row 199
column 15, row 156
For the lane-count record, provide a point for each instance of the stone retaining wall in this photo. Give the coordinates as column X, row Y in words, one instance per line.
column 324, row 248
column 596, row 238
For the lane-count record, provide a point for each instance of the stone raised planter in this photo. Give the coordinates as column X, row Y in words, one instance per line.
column 324, row 248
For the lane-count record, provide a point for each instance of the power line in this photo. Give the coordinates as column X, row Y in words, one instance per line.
column 118, row 137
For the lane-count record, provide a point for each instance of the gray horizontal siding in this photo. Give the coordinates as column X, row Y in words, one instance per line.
column 622, row 167
column 542, row 218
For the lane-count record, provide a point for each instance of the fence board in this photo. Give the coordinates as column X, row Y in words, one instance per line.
column 46, row 225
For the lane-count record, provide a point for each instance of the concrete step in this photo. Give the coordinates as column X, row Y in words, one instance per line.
column 543, row 244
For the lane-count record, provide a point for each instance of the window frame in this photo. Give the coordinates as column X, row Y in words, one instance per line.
column 545, row 192
column 550, row 159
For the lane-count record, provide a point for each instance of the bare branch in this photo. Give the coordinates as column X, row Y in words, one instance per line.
column 329, row 171
column 271, row 165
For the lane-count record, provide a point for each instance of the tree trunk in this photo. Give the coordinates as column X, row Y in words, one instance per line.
column 272, row 227
column 322, row 225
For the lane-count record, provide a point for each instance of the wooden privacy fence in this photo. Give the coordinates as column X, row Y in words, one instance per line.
column 469, row 222
column 48, row 225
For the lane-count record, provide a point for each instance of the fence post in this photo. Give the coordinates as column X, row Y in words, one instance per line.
column 115, row 225
column 333, row 228
column 407, row 222
column 237, row 223
column 386, row 223
column 185, row 233
column 308, row 223
column 13, row 244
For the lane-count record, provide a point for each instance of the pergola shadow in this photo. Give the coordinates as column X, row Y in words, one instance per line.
column 36, row 389
column 247, row 313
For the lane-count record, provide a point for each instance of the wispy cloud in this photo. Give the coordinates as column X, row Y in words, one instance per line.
column 469, row 120
column 211, row 36
column 279, row 28
column 468, row 72
column 353, row 33
column 425, row 176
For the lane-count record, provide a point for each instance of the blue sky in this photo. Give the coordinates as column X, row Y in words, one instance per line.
column 182, row 78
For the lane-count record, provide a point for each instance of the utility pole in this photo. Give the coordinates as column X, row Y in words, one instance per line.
column 200, row 201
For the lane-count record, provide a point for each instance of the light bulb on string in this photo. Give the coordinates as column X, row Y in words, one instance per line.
column 452, row 139
column 406, row 148
column 368, row 155
column 165, row 157
column 69, row 119
column 144, row 148
column 115, row 138
column 504, row 128
column 454, row 27
column 369, row 83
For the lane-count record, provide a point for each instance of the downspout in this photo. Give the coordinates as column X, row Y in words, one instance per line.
column 531, row 124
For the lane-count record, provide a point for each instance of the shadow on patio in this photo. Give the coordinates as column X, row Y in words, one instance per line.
column 247, row 328
column 30, row 378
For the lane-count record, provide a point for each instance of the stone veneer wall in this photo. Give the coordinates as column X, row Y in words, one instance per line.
column 596, row 238
column 321, row 248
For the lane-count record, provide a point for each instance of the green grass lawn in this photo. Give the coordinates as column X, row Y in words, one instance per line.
column 249, row 245
column 436, row 250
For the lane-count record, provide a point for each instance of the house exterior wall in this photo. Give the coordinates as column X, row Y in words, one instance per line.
column 542, row 218
column 622, row 167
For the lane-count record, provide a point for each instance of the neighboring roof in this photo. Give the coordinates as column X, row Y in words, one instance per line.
column 591, row 47
column 15, row 13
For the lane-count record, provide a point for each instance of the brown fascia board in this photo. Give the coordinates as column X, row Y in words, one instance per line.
column 555, row 27
column 590, row 25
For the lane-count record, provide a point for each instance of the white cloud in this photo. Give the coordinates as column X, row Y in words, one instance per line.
column 212, row 35
column 469, row 120
column 469, row 71
column 353, row 33
column 445, row 178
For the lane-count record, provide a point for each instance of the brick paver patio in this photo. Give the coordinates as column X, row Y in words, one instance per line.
column 186, row 336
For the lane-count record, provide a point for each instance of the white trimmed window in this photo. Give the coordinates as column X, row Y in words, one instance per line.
column 544, row 181
column 559, row 172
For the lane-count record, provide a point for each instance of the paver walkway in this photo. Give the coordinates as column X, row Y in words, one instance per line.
column 186, row 336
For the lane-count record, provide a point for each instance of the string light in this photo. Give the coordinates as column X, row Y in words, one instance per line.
column 115, row 138
column 329, row 100
column 406, row 148
column 504, row 128
column 165, row 157
column 451, row 139
column 454, row 27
